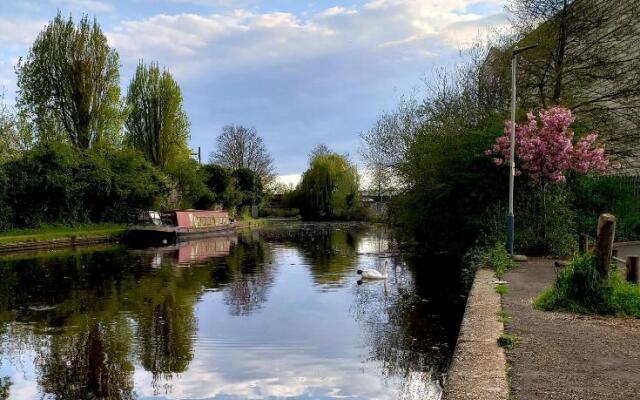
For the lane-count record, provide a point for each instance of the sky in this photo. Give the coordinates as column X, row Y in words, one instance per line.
column 301, row 73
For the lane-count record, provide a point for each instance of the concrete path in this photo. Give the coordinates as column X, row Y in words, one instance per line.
column 477, row 371
column 628, row 249
column 563, row 356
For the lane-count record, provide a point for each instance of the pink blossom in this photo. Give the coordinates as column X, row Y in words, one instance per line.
column 545, row 148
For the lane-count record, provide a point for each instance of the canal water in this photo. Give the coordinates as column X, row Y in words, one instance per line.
column 272, row 313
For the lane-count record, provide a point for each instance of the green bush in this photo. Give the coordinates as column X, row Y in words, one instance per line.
column 578, row 288
column 279, row 212
column 249, row 185
column 453, row 184
column 500, row 260
column 592, row 195
column 190, row 180
column 507, row 341
column 233, row 189
column 5, row 210
column 502, row 289
column 43, row 188
column 59, row 184
column 217, row 178
column 495, row 257
column 136, row 184
column 545, row 222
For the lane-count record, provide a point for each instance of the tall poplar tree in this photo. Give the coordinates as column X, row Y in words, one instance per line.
column 156, row 123
column 69, row 84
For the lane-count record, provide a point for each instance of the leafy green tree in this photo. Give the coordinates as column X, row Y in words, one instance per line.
column 43, row 186
column 156, row 125
column 220, row 181
column 190, row 180
column 70, row 83
column 249, row 184
column 329, row 188
column 7, row 130
column 5, row 209
column 218, row 178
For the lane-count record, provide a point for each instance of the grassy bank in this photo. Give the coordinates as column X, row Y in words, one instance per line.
column 579, row 289
column 59, row 232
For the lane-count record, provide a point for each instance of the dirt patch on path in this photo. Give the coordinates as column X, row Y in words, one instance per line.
column 565, row 356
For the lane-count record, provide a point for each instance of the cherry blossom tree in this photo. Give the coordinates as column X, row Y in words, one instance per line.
column 546, row 151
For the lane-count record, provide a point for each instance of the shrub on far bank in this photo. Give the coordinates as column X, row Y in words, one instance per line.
column 136, row 184
column 189, row 178
column 279, row 212
column 578, row 288
column 59, row 184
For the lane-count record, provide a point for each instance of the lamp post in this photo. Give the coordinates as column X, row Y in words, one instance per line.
column 512, row 142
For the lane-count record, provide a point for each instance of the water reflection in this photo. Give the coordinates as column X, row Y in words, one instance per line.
column 269, row 313
column 330, row 251
column 250, row 275
column 89, row 362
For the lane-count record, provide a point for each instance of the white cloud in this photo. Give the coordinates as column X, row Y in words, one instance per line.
column 289, row 180
column 16, row 33
column 228, row 42
column 337, row 10
column 462, row 34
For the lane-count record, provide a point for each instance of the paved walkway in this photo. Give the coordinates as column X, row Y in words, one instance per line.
column 628, row 249
column 563, row 356
column 477, row 370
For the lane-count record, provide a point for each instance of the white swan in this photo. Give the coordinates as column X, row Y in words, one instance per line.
column 374, row 273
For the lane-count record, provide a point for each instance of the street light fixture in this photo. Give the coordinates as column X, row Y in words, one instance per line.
column 512, row 142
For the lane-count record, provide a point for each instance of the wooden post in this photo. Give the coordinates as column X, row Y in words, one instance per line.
column 582, row 243
column 633, row 269
column 604, row 243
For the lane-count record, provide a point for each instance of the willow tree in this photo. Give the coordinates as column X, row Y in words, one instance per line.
column 70, row 84
column 329, row 188
column 156, row 124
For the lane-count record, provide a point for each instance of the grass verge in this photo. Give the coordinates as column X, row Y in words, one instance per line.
column 59, row 232
column 503, row 316
column 507, row 341
column 502, row 289
column 495, row 257
column 579, row 289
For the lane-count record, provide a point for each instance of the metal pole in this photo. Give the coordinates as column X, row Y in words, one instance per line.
column 512, row 163
column 199, row 154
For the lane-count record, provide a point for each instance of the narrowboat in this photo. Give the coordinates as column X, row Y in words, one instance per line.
column 172, row 226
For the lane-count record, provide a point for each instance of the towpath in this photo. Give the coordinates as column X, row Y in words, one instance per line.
column 563, row 356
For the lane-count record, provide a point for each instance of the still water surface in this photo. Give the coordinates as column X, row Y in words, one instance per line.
column 270, row 313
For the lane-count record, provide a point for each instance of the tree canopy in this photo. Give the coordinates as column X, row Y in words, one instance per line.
column 329, row 188
column 157, row 124
column 241, row 147
column 70, row 83
column 582, row 62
